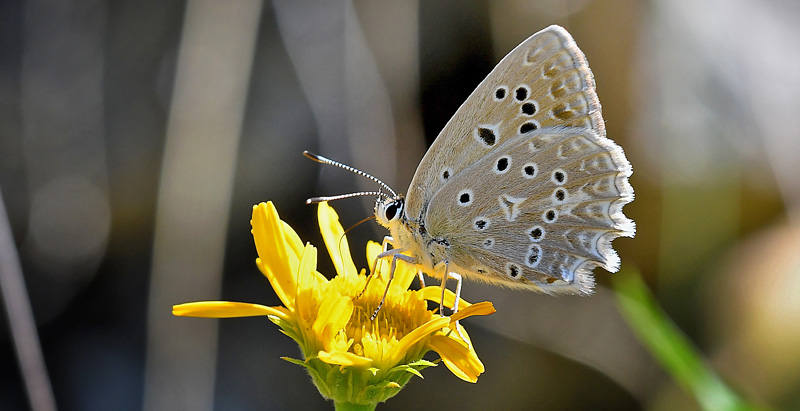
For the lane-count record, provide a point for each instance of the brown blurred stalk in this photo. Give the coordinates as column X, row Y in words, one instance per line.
column 21, row 321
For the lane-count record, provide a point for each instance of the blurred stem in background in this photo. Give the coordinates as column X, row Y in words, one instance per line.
column 202, row 139
column 21, row 321
column 669, row 346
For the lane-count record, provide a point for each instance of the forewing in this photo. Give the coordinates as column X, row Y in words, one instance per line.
column 543, row 82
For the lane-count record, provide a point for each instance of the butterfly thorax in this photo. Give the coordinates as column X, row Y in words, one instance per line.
column 411, row 235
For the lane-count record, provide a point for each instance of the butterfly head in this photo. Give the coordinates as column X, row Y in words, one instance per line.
column 388, row 207
column 389, row 210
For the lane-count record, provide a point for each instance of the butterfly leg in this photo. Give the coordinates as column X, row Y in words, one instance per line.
column 369, row 276
column 444, row 287
column 458, row 278
column 388, row 240
column 395, row 254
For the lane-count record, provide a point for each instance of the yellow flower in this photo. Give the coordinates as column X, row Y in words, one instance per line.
column 351, row 358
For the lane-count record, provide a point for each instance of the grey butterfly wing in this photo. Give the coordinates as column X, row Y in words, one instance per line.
column 549, row 66
column 538, row 211
column 537, row 108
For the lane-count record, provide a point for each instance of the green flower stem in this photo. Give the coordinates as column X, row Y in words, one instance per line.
column 670, row 347
column 346, row 406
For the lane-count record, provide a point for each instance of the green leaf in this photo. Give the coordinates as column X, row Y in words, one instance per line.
column 670, row 346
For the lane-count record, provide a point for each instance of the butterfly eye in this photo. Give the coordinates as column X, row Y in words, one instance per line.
column 392, row 210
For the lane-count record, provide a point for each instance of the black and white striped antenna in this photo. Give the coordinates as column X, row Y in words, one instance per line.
column 324, row 160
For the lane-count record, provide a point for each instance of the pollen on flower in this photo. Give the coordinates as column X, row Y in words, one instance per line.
column 402, row 313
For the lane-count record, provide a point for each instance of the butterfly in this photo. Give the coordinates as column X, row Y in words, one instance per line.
column 521, row 188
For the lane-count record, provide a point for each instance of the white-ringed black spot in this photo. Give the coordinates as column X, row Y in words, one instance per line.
column 536, row 233
column 513, row 270
column 550, row 216
column 527, row 127
column 560, row 195
column 534, row 256
column 559, row 176
column 488, row 243
column 528, row 108
column 481, row 223
column 500, row 93
column 521, row 93
column 464, row 198
column 486, row 136
column 529, row 170
column 502, row 165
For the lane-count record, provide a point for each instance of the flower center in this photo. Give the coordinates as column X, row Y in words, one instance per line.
column 401, row 313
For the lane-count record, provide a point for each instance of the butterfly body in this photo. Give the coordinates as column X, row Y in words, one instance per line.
column 521, row 188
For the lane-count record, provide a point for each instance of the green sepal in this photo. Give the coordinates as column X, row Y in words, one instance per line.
column 295, row 361
column 413, row 367
column 407, row 368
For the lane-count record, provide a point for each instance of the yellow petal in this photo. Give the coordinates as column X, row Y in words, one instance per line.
column 481, row 308
column 227, row 309
column 344, row 358
column 404, row 275
column 457, row 357
column 305, row 271
column 373, row 249
column 415, row 336
column 334, row 312
column 278, row 259
column 335, row 241
column 291, row 238
column 434, row 293
column 381, row 267
column 404, row 272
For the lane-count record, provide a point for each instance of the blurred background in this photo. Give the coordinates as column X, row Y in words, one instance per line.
column 135, row 136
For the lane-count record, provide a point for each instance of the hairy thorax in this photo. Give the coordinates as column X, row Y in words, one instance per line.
column 429, row 251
